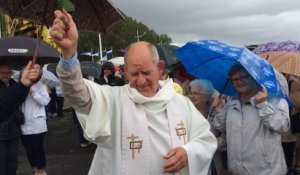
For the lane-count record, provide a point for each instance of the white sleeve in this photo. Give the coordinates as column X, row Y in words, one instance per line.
column 202, row 143
column 96, row 124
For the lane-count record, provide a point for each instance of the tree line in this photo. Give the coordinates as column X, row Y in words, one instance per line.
column 120, row 36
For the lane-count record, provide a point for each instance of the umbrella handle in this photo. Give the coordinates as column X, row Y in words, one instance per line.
column 214, row 108
column 220, row 95
column 34, row 59
column 267, row 57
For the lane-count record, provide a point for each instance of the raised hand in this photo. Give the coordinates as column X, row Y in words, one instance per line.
column 262, row 95
column 217, row 103
column 31, row 74
column 64, row 33
column 176, row 159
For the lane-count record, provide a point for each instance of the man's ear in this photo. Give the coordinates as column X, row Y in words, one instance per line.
column 161, row 67
column 125, row 70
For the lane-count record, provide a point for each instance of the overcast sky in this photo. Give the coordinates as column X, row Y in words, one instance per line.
column 240, row 22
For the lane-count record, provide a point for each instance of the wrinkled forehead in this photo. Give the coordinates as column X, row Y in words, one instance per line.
column 141, row 63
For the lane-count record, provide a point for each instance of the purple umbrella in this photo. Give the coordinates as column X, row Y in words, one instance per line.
column 289, row 46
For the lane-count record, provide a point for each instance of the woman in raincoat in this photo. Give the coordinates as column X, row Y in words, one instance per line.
column 254, row 123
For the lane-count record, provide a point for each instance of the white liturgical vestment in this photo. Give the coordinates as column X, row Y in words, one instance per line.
column 133, row 132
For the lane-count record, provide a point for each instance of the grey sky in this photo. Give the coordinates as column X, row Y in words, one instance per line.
column 240, row 22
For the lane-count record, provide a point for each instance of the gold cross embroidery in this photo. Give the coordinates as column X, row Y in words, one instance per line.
column 135, row 144
column 181, row 131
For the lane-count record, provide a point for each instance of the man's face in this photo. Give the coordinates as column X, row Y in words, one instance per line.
column 5, row 74
column 141, row 71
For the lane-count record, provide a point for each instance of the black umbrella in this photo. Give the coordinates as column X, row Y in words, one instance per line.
column 88, row 68
column 89, row 15
column 17, row 51
column 165, row 52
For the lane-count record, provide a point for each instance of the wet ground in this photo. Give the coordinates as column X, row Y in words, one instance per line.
column 63, row 152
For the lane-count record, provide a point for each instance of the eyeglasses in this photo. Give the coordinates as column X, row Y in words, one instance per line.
column 241, row 78
column 196, row 94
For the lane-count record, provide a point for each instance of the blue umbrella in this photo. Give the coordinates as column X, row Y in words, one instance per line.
column 212, row 60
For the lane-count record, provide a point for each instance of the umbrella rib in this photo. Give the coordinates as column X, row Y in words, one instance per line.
column 15, row 12
column 95, row 11
column 44, row 16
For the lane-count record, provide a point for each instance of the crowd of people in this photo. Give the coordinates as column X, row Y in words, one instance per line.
column 153, row 124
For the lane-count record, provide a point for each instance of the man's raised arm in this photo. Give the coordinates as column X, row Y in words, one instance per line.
column 64, row 33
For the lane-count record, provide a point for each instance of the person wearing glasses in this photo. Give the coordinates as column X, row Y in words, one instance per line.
column 254, row 121
column 201, row 94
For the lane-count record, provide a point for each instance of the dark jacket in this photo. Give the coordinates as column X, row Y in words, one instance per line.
column 11, row 98
column 112, row 79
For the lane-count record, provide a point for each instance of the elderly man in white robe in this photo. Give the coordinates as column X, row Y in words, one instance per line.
column 141, row 128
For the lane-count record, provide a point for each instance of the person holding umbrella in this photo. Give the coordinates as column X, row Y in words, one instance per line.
column 254, row 122
column 144, row 127
column 12, row 95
